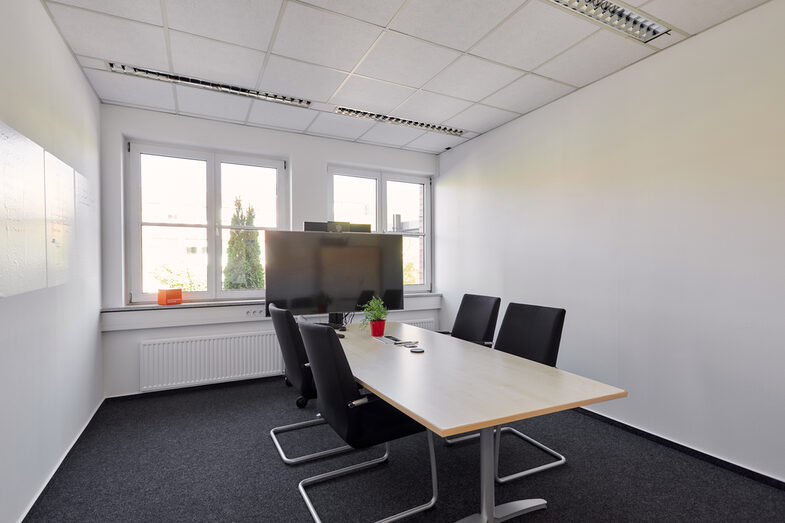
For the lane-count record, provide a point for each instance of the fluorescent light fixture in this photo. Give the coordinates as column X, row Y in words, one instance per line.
column 617, row 17
column 399, row 121
column 202, row 84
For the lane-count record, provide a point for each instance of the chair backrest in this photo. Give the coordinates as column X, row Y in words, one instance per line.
column 476, row 318
column 293, row 351
column 532, row 332
column 333, row 377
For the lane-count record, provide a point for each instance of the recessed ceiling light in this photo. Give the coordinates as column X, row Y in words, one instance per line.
column 399, row 121
column 617, row 17
column 202, row 84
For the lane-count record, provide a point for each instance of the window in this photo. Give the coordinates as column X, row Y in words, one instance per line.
column 196, row 220
column 391, row 203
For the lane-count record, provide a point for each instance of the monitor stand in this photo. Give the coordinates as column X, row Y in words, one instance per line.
column 335, row 320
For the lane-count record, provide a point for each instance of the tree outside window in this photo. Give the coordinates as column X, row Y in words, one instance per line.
column 243, row 268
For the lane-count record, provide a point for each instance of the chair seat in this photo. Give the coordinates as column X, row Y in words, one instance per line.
column 380, row 423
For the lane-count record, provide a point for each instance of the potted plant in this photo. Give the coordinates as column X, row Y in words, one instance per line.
column 375, row 313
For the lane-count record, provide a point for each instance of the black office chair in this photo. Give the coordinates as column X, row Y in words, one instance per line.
column 393, row 298
column 299, row 375
column 532, row 332
column 361, row 421
column 476, row 319
column 295, row 360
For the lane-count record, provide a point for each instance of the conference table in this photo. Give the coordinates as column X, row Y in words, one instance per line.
column 455, row 386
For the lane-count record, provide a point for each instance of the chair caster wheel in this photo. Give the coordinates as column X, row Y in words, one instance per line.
column 286, row 380
column 301, row 402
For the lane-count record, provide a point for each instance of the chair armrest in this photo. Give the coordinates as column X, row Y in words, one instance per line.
column 444, row 332
column 488, row 344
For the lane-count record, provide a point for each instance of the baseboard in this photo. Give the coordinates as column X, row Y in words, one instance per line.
column 738, row 469
column 60, row 462
column 174, row 390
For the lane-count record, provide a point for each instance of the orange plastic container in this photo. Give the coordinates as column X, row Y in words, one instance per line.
column 170, row 296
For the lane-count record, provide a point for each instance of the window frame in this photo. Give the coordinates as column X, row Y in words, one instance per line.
column 214, row 228
column 382, row 177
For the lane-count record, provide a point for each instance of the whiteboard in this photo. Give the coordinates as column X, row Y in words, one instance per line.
column 59, row 219
column 22, row 214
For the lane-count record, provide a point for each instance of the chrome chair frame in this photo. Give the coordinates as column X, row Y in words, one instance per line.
column 366, row 465
column 560, row 460
column 308, row 457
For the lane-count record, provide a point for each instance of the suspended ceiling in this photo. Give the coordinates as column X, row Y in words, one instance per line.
column 468, row 64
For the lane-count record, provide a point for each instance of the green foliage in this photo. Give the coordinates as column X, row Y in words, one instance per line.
column 243, row 269
column 409, row 274
column 374, row 310
column 183, row 279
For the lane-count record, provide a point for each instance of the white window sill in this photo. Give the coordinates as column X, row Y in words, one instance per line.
column 150, row 316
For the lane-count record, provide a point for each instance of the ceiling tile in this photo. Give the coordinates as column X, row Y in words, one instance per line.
column 472, row 78
column 378, row 12
column 131, row 90
column 212, row 104
column 371, row 95
column 293, row 78
column 243, row 22
column 635, row 3
column 435, row 142
column 527, row 94
column 430, row 107
column 405, row 60
column 667, row 40
column 454, row 23
column 142, row 10
column 534, row 35
column 599, row 55
column 110, row 38
column 215, row 61
column 273, row 114
column 391, row 134
column 92, row 63
column 323, row 38
column 480, row 118
column 339, row 126
column 696, row 15
column 319, row 106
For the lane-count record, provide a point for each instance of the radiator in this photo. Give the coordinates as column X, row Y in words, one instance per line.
column 425, row 323
column 185, row 362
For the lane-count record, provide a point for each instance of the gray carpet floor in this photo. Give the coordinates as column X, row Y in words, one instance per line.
column 205, row 454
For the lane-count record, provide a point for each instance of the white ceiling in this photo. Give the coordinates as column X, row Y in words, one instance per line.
column 470, row 64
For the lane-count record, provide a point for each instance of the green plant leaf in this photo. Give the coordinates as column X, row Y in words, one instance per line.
column 374, row 310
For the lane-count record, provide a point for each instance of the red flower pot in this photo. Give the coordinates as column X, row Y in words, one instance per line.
column 377, row 328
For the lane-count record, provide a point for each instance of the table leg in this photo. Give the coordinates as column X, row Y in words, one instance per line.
column 489, row 511
column 487, row 470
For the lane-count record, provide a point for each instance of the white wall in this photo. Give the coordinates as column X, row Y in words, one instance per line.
column 124, row 330
column 50, row 357
column 651, row 205
column 308, row 157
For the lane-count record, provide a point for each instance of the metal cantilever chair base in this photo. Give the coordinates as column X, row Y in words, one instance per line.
column 368, row 464
column 308, row 457
column 560, row 460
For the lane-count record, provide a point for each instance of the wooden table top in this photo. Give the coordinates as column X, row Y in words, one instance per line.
column 456, row 386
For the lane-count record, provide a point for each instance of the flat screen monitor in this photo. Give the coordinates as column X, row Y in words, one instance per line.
column 323, row 272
